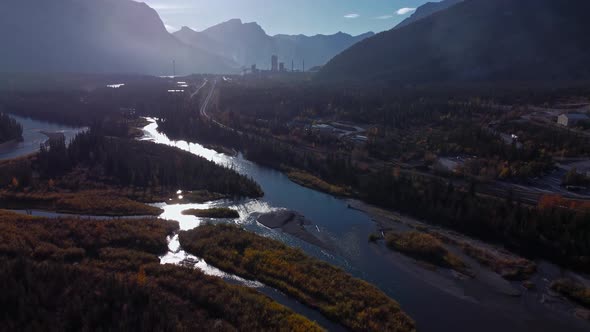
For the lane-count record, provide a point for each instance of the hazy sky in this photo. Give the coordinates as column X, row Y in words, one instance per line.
column 288, row 16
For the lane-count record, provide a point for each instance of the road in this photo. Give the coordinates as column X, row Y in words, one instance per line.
column 199, row 89
column 203, row 109
column 205, row 105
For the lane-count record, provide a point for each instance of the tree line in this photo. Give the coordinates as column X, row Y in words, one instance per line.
column 143, row 164
column 10, row 129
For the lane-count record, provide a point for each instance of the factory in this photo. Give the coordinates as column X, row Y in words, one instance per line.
column 275, row 67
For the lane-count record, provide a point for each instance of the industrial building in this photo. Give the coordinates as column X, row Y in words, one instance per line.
column 571, row 119
column 275, row 63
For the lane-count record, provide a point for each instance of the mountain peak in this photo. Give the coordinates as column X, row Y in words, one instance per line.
column 428, row 9
column 95, row 37
column 248, row 43
column 235, row 26
column 366, row 35
column 468, row 42
column 235, row 21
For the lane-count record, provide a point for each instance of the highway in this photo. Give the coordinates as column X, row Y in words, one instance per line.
column 205, row 105
column 199, row 89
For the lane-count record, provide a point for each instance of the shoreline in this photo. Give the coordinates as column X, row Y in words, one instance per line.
column 513, row 276
column 387, row 220
column 488, row 290
column 5, row 147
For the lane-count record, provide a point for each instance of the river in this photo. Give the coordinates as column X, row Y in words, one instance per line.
column 33, row 137
column 436, row 301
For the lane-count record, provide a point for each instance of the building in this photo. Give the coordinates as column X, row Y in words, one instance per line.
column 571, row 119
column 253, row 69
column 275, row 63
column 282, row 67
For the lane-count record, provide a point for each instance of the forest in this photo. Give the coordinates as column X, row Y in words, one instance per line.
column 349, row 301
column 413, row 128
column 82, row 105
column 72, row 178
column 145, row 164
column 553, row 229
column 10, row 129
column 272, row 127
column 75, row 274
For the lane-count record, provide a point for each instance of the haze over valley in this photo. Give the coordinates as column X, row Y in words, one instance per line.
column 383, row 165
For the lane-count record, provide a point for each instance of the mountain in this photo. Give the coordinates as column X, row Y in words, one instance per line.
column 90, row 36
column 243, row 43
column 499, row 40
column 428, row 9
column 315, row 50
column 248, row 43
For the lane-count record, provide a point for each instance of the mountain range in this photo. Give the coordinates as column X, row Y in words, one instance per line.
column 125, row 36
column 426, row 10
column 248, row 43
column 107, row 36
column 494, row 40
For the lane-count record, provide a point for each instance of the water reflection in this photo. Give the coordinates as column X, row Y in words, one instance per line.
column 248, row 210
column 436, row 301
column 179, row 257
column 33, row 136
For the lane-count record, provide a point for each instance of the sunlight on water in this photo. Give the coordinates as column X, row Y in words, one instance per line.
column 33, row 136
column 248, row 209
column 180, row 257
column 151, row 134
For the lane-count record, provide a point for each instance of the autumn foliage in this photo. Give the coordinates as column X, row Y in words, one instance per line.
column 547, row 202
column 351, row 302
column 72, row 274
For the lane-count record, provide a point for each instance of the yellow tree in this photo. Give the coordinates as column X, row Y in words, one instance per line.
column 141, row 277
column 14, row 183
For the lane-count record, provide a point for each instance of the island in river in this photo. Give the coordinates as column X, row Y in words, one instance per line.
column 100, row 175
column 214, row 213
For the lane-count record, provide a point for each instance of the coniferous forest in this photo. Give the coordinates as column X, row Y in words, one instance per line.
column 10, row 129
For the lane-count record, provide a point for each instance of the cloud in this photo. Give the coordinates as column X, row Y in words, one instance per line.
column 383, row 17
column 405, row 10
column 353, row 15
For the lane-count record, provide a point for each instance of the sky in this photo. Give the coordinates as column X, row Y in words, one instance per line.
column 308, row 17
